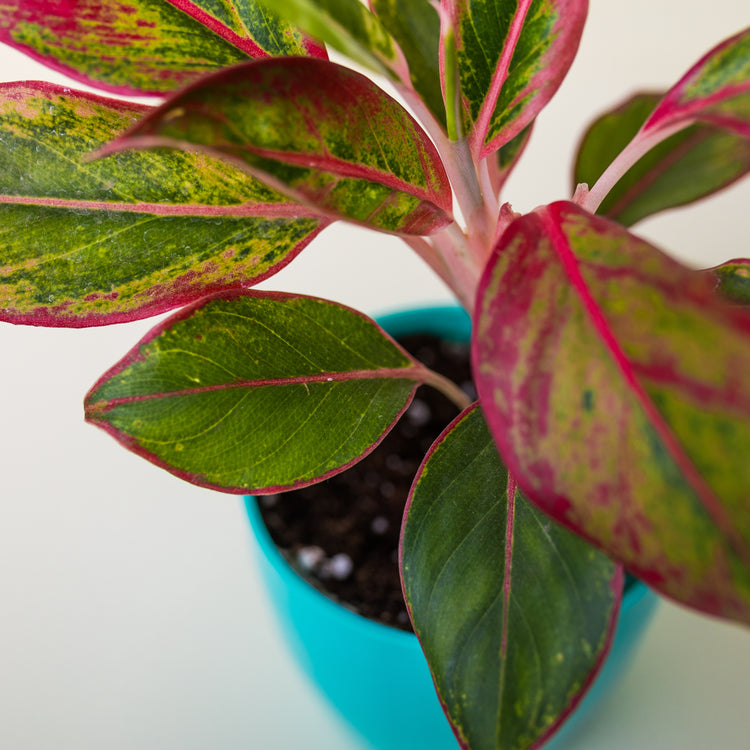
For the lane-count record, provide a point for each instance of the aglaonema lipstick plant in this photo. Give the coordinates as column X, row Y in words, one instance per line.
column 612, row 428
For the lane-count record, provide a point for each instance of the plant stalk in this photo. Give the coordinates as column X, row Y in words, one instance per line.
column 448, row 388
column 640, row 145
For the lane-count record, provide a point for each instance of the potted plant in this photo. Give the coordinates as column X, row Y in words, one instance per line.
column 325, row 555
column 588, row 344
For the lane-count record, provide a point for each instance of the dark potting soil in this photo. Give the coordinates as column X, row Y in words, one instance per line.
column 342, row 534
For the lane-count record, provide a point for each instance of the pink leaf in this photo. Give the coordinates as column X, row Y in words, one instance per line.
column 593, row 368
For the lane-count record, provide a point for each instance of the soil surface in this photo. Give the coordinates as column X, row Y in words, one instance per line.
column 342, row 534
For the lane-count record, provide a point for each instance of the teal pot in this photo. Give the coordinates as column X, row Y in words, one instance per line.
column 374, row 675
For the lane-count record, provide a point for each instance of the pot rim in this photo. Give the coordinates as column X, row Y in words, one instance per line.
column 451, row 322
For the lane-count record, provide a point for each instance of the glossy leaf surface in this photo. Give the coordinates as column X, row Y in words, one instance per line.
column 512, row 56
column 348, row 26
column 716, row 90
column 515, row 614
column 415, row 26
column 614, row 382
column 321, row 133
column 685, row 167
column 733, row 280
column 250, row 26
column 256, row 392
column 88, row 243
column 126, row 47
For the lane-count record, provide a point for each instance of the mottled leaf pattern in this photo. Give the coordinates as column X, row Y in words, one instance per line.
column 515, row 614
column 614, row 382
column 256, row 392
column 512, row 56
column 128, row 47
column 321, row 133
column 86, row 243
column 250, row 26
column 415, row 26
column 685, row 167
column 716, row 90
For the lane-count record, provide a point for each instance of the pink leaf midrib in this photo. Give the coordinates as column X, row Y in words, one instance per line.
column 416, row 373
column 702, row 489
column 673, row 109
column 657, row 171
column 240, row 210
column 326, row 162
column 342, row 168
column 502, row 68
column 245, row 44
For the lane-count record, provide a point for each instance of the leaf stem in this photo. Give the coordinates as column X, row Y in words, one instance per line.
column 454, row 248
column 461, row 254
column 463, row 176
column 485, row 181
column 456, row 158
column 641, row 144
column 447, row 387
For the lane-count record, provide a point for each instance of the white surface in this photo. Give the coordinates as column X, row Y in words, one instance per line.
column 130, row 612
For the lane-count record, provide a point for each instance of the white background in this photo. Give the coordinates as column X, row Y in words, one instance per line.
column 130, row 610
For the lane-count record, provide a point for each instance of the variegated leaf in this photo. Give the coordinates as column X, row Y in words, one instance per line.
column 614, row 382
column 250, row 26
column 687, row 166
column 716, row 90
column 145, row 46
column 129, row 236
column 323, row 134
column 511, row 57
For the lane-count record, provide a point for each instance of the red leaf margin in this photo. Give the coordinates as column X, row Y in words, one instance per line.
column 617, row 585
column 672, row 110
column 545, row 222
column 312, row 47
column 91, row 409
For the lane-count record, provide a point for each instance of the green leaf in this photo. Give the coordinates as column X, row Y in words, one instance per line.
column 733, row 280
column 256, row 392
column 512, row 56
column 348, row 26
column 687, row 166
column 129, row 236
column 614, row 382
column 514, row 613
column 323, row 134
column 415, row 26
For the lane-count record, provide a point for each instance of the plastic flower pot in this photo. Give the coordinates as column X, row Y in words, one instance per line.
column 375, row 675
